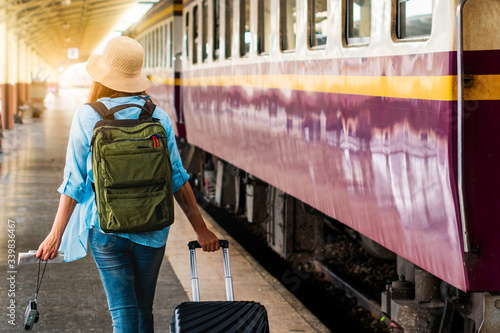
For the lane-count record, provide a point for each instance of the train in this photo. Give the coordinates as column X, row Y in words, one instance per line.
column 381, row 115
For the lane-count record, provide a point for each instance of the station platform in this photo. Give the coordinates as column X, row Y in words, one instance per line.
column 72, row 298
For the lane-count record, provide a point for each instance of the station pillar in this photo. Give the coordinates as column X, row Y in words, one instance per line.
column 12, row 77
column 8, row 75
column 21, row 84
column 27, row 73
column 3, row 75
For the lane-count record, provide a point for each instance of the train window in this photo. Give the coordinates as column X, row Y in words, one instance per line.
column 143, row 43
column 288, row 24
column 187, row 34
column 152, row 51
column 166, row 45
column 195, row 35
column 162, row 48
column 414, row 18
column 146, row 44
column 318, row 23
column 146, row 51
column 264, row 31
column 149, row 50
column 216, row 23
column 229, row 27
column 157, row 46
column 245, row 35
column 170, row 46
column 358, row 22
column 153, row 48
column 204, row 31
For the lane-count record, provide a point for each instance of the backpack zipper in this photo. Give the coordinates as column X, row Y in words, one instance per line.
column 115, row 128
column 152, row 137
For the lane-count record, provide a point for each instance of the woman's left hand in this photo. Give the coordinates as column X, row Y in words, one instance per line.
column 208, row 241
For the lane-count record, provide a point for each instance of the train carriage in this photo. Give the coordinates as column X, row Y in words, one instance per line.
column 159, row 32
column 379, row 114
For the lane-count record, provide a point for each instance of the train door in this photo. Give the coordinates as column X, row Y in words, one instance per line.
column 175, row 55
column 479, row 121
column 478, row 143
column 178, row 95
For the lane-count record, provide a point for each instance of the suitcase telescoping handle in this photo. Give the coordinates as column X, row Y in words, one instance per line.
column 224, row 244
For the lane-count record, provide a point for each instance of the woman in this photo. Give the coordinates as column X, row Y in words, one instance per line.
column 128, row 263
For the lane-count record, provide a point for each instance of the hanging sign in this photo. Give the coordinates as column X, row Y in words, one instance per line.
column 73, row 53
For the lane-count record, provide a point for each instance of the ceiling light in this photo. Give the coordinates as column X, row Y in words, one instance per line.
column 135, row 13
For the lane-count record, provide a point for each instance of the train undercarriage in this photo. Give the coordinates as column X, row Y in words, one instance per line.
column 410, row 300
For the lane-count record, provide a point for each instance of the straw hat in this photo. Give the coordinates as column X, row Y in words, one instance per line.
column 120, row 66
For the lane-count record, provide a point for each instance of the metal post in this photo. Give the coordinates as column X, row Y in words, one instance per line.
column 460, row 123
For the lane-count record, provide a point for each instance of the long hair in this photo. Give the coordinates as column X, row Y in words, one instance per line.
column 98, row 90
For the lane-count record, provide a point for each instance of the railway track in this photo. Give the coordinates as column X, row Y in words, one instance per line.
column 362, row 300
column 313, row 281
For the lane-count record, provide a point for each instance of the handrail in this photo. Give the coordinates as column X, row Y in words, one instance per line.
column 460, row 122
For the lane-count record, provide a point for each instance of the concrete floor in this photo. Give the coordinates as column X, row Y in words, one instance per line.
column 72, row 298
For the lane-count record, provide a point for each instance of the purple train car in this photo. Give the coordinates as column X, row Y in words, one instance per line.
column 383, row 115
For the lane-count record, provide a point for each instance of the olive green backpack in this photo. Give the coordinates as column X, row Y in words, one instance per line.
column 132, row 171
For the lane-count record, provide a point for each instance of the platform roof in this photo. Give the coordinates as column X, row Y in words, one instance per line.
column 51, row 27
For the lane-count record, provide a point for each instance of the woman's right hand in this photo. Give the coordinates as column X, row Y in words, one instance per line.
column 208, row 241
column 48, row 249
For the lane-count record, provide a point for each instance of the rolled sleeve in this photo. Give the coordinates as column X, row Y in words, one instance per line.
column 179, row 174
column 75, row 170
column 70, row 190
column 179, row 177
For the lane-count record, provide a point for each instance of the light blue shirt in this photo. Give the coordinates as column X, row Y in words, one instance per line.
column 78, row 177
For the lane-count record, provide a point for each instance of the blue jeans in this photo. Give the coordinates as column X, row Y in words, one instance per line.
column 129, row 272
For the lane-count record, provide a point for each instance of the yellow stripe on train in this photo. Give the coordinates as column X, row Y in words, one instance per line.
column 165, row 80
column 440, row 88
column 484, row 88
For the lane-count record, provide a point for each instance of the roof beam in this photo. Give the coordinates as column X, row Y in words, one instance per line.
column 46, row 25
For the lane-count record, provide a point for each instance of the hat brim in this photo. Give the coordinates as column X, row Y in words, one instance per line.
column 113, row 79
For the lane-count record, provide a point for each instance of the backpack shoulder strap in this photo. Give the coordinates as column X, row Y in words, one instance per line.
column 147, row 109
column 150, row 106
column 100, row 108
